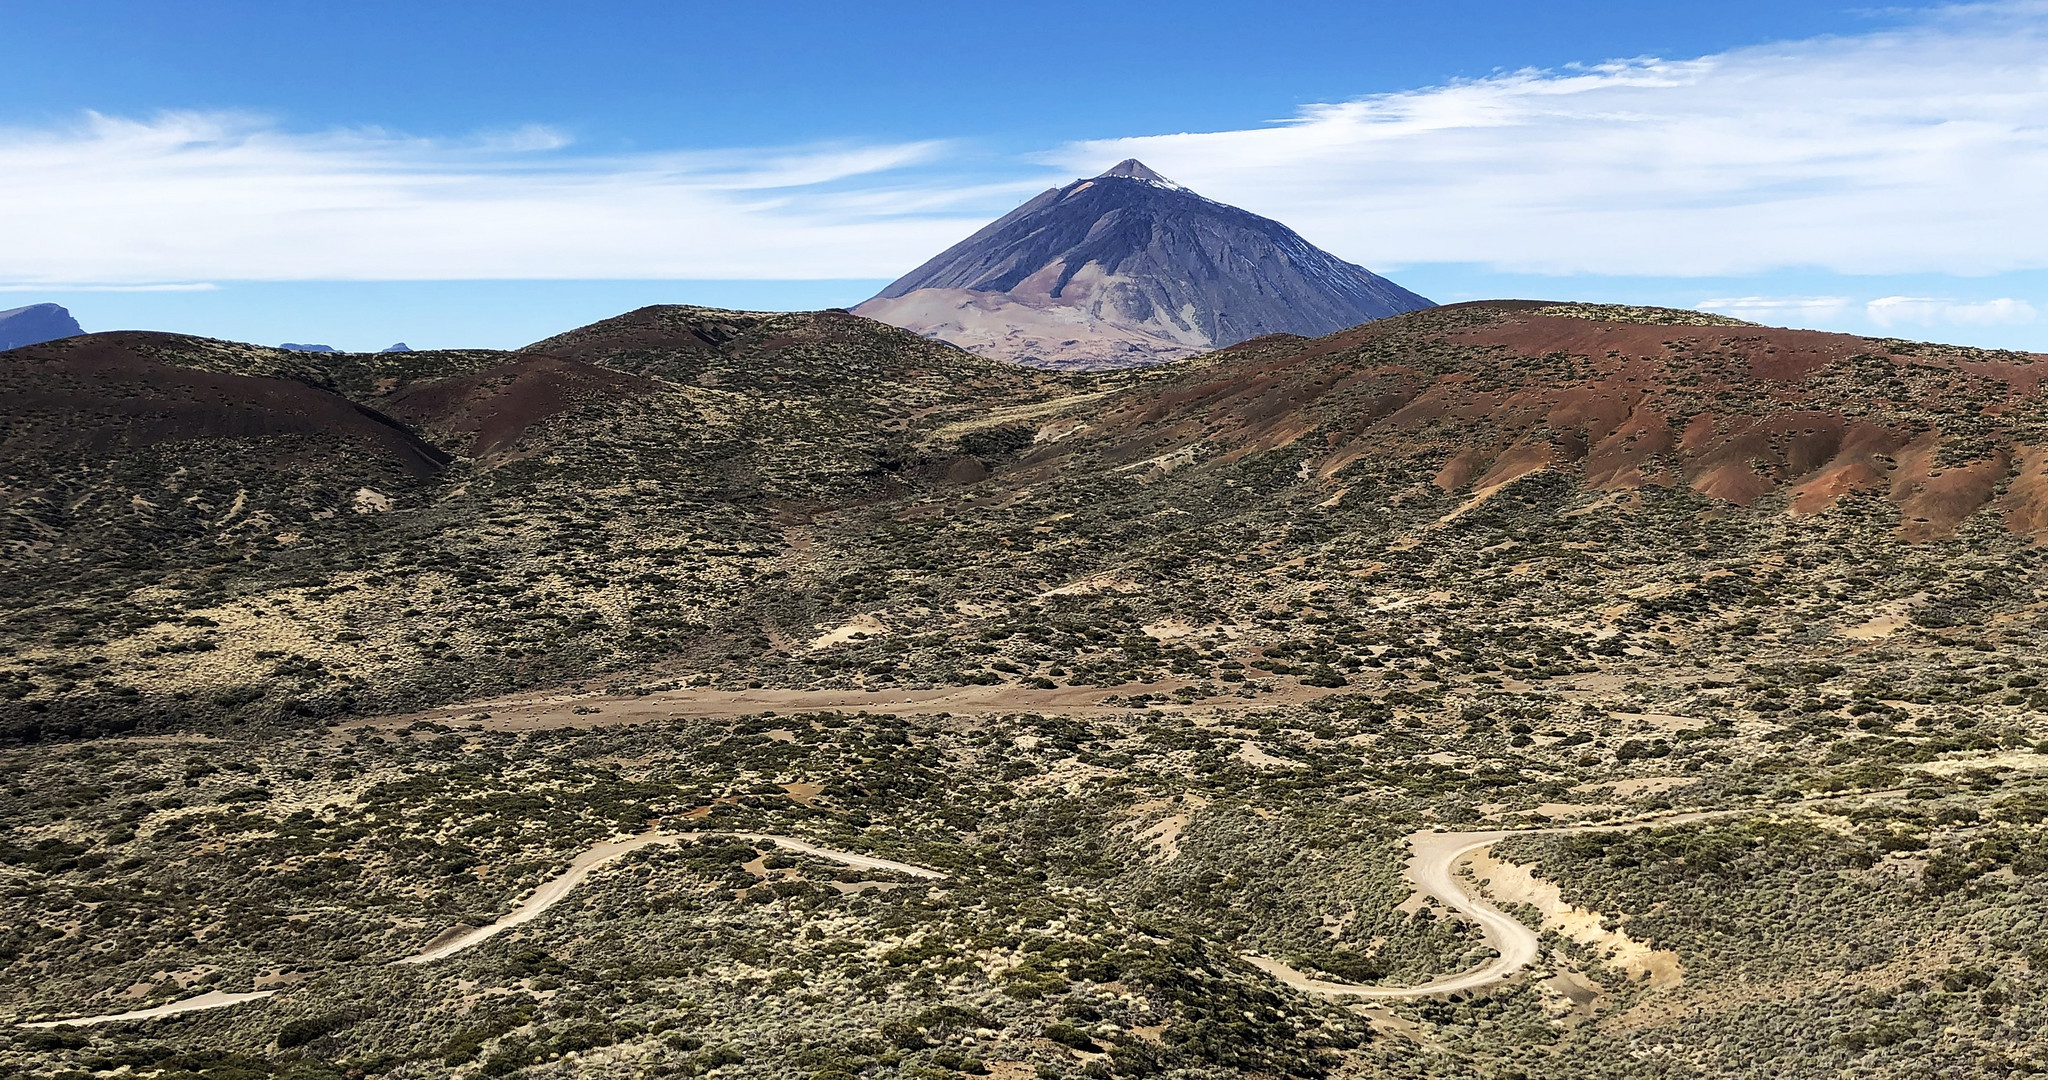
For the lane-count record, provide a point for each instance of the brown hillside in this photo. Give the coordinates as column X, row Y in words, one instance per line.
column 486, row 413
column 814, row 354
column 1498, row 391
column 101, row 394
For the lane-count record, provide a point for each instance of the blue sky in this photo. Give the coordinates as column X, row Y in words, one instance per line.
column 488, row 174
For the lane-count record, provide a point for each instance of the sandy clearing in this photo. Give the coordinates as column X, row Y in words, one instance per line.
column 1518, row 883
column 1250, row 753
column 1660, row 721
column 1554, row 810
column 1162, row 839
column 1629, row 789
column 2015, row 760
column 805, row 793
column 1889, row 619
column 860, row 626
column 1175, row 629
column 1108, row 582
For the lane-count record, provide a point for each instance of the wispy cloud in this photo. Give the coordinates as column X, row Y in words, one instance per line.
column 187, row 195
column 1889, row 311
column 1916, row 150
column 1911, row 150
column 1883, row 313
column 1780, row 309
column 155, row 287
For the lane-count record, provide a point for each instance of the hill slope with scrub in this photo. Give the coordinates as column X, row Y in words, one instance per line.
column 311, row 661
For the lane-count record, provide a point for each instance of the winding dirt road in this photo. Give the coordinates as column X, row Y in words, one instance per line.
column 552, row 892
column 1431, row 867
column 1432, row 870
column 546, row 896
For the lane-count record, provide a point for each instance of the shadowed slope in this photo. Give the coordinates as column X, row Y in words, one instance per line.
column 105, row 394
column 487, row 413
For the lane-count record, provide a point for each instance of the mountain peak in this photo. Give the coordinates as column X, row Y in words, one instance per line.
column 1098, row 274
column 1133, row 169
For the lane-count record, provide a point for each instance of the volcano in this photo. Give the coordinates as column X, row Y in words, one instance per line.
column 1128, row 269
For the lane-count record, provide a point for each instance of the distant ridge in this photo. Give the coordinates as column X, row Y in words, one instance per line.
column 1129, row 268
column 35, row 324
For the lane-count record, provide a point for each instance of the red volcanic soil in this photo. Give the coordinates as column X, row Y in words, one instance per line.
column 101, row 394
column 1736, row 412
column 488, row 411
column 1771, row 354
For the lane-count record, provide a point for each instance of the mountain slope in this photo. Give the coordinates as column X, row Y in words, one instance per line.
column 1490, row 393
column 35, row 324
column 1128, row 268
column 706, row 489
column 441, row 524
column 1733, row 635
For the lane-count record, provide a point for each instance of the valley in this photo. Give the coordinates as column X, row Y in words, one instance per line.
column 933, row 716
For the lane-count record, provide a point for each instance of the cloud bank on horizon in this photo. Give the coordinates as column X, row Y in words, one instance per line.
column 1885, row 312
column 1914, row 150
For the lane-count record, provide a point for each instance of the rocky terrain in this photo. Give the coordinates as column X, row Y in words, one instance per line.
column 1129, row 269
column 1138, row 699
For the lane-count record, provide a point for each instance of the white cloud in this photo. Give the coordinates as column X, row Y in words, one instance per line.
column 1780, row 309
column 1913, row 150
column 188, row 196
column 1910, row 151
column 173, row 286
column 1889, row 311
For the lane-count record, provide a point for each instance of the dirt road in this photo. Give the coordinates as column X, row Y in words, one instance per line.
column 550, row 893
column 212, row 999
column 1432, row 869
column 536, row 710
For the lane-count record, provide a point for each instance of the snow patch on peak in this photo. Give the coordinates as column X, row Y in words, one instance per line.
column 1133, row 169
